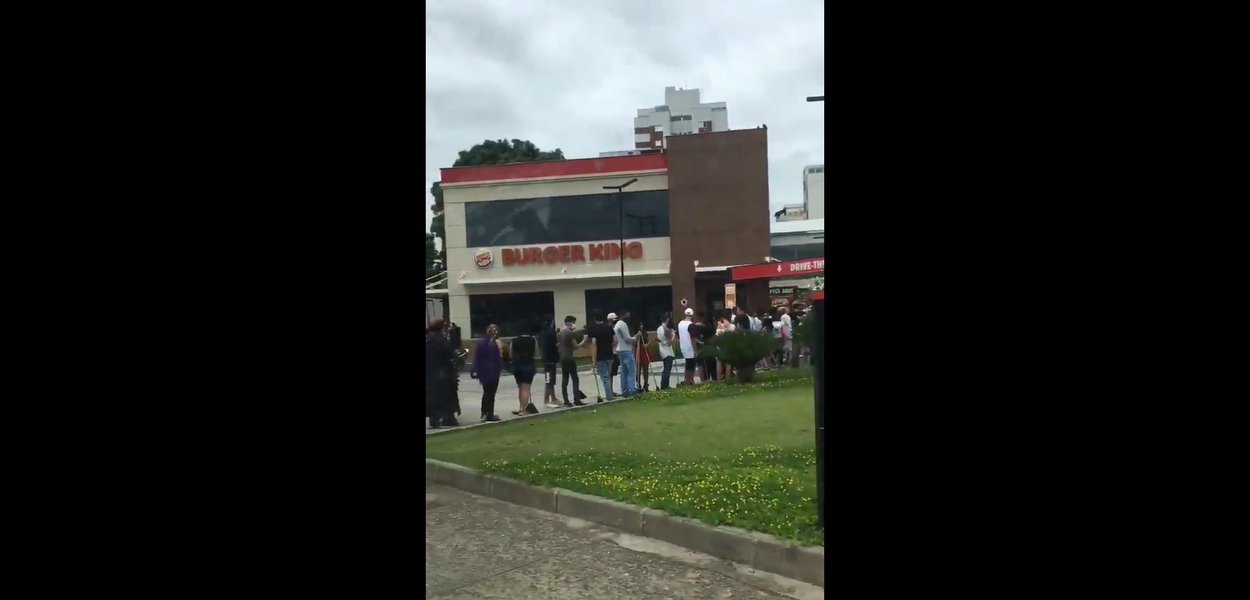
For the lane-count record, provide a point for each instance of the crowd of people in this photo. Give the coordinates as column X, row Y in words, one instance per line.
column 617, row 352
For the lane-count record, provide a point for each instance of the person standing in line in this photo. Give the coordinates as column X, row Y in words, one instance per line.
column 601, row 333
column 523, row 347
column 787, row 333
column 438, row 374
column 686, row 338
column 704, row 331
column 487, row 367
column 642, row 358
column 766, row 327
column 664, row 340
column 723, row 326
column 567, row 341
column 741, row 319
column 550, row 354
column 624, row 353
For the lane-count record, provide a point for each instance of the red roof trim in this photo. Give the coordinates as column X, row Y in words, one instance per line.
column 555, row 168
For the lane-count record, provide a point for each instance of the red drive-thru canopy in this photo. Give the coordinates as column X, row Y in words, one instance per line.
column 776, row 270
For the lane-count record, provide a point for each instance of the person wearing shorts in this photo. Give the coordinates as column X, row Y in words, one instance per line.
column 685, row 339
column 523, row 347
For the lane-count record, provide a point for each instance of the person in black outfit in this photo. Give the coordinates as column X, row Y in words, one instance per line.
column 742, row 321
column 523, row 347
column 438, row 377
column 567, row 343
column 550, row 356
column 605, row 340
column 705, row 331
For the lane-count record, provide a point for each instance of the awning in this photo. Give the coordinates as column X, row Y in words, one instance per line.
column 715, row 269
column 781, row 269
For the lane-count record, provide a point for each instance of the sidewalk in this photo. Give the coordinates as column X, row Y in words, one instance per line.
column 507, row 396
column 507, row 400
column 478, row 547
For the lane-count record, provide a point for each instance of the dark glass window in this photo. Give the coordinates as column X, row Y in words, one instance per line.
column 513, row 313
column 565, row 219
column 797, row 252
column 645, row 304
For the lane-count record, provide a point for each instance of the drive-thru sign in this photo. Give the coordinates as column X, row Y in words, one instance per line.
column 780, row 269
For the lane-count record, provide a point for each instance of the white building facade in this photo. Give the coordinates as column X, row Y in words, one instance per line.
column 681, row 114
column 814, row 191
column 791, row 212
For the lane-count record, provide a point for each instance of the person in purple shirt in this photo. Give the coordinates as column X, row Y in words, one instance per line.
column 487, row 365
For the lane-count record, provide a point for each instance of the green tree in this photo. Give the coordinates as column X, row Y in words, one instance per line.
column 489, row 152
column 433, row 264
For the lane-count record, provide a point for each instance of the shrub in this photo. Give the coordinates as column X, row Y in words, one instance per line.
column 742, row 348
column 805, row 330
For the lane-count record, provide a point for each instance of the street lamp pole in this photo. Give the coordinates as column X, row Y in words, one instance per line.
column 620, row 205
column 819, row 315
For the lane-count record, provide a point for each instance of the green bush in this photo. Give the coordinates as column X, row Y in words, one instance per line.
column 742, row 348
column 805, row 330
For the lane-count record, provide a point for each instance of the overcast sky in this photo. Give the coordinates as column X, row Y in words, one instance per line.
column 571, row 74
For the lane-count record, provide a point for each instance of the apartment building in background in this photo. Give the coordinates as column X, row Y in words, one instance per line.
column 683, row 113
column 814, row 191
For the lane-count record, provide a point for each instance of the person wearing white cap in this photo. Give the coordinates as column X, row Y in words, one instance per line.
column 687, row 346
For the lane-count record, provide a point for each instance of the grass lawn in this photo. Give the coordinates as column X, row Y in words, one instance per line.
column 725, row 453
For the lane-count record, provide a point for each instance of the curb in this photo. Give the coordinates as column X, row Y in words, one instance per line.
column 762, row 551
column 547, row 413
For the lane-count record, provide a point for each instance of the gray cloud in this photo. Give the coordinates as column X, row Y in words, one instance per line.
column 570, row 74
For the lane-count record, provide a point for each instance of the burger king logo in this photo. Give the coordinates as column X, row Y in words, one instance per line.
column 483, row 259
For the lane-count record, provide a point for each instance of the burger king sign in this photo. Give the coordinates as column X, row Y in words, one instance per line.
column 483, row 259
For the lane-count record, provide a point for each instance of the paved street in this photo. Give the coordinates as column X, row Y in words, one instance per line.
column 478, row 547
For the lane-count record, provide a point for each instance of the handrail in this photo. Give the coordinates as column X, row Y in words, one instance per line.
column 434, row 281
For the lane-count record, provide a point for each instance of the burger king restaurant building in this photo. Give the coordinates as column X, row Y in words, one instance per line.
column 533, row 239
column 526, row 240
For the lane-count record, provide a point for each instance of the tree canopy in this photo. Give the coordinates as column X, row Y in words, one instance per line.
column 433, row 264
column 489, row 152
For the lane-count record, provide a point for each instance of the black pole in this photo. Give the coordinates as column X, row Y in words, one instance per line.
column 620, row 205
column 818, row 363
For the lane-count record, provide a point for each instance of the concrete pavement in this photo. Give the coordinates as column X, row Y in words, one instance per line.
column 478, row 547
column 507, row 399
